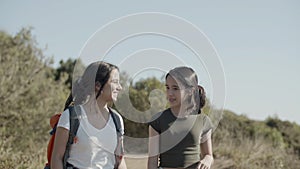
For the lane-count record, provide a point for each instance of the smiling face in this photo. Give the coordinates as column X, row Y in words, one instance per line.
column 112, row 88
column 174, row 93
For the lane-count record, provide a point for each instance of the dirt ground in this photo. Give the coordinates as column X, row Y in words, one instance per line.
column 136, row 163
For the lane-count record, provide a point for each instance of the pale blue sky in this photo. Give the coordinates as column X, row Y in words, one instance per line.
column 258, row 41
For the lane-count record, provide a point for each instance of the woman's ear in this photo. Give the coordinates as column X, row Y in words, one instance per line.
column 97, row 86
column 190, row 91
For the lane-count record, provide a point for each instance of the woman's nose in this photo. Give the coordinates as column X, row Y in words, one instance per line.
column 119, row 87
column 169, row 93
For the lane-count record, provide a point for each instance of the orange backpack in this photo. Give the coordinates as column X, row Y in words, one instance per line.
column 74, row 124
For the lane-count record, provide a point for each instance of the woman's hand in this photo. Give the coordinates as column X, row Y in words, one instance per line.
column 206, row 162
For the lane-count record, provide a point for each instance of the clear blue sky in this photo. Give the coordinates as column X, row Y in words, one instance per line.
column 257, row 41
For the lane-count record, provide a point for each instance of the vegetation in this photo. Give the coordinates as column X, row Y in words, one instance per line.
column 29, row 95
column 32, row 91
column 243, row 143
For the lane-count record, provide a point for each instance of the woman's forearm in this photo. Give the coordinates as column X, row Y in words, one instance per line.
column 152, row 162
column 56, row 162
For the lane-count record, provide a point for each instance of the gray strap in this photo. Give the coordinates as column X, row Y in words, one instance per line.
column 74, row 113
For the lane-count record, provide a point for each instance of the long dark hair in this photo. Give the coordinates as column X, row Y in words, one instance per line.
column 96, row 72
column 187, row 78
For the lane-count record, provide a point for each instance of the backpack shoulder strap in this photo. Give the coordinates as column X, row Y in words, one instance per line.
column 119, row 151
column 74, row 115
column 117, row 121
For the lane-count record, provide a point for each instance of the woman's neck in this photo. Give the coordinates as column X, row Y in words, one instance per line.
column 178, row 112
column 102, row 105
column 96, row 107
column 175, row 111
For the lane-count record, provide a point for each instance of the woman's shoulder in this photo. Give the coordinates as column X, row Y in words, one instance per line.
column 117, row 119
column 115, row 112
column 160, row 114
column 203, row 116
column 65, row 114
column 205, row 120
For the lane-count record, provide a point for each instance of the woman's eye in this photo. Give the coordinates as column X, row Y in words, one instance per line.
column 115, row 81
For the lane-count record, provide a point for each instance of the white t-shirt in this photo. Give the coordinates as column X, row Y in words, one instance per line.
column 95, row 147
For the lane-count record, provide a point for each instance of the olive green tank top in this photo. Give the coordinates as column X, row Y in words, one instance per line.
column 180, row 138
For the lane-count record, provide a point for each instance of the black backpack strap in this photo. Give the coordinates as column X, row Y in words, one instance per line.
column 74, row 114
column 117, row 120
column 119, row 152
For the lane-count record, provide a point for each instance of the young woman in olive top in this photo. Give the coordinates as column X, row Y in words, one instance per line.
column 180, row 136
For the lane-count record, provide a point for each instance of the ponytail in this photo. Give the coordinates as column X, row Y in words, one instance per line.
column 202, row 96
column 70, row 100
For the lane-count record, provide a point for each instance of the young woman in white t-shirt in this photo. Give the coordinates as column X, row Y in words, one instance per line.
column 96, row 138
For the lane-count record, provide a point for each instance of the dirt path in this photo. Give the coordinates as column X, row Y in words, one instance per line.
column 136, row 163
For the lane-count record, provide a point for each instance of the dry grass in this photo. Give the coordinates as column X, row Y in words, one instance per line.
column 141, row 163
